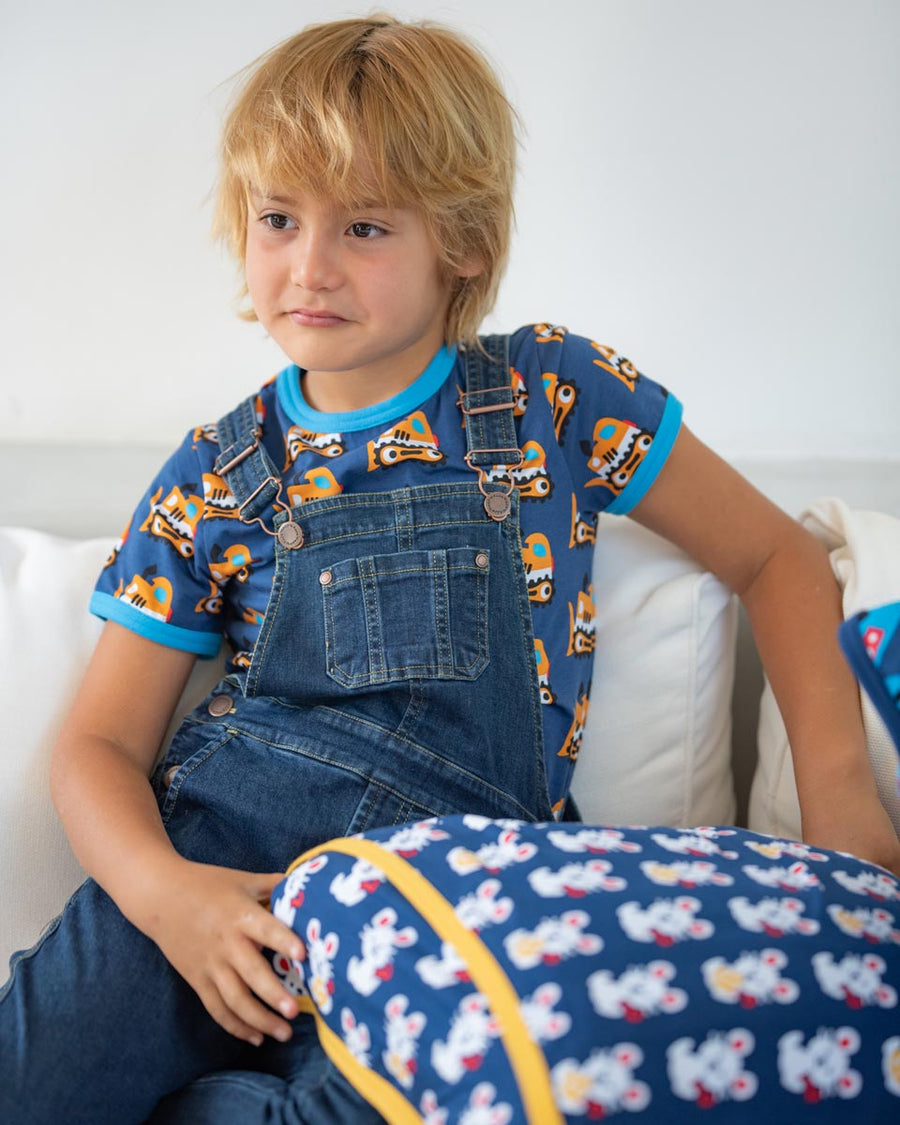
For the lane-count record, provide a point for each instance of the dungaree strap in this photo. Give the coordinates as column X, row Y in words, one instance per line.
column 243, row 461
column 487, row 405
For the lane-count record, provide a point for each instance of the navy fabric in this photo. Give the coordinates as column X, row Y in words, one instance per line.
column 664, row 973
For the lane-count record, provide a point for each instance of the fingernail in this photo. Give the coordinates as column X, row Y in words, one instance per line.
column 256, row 1040
column 287, row 1007
column 283, row 1034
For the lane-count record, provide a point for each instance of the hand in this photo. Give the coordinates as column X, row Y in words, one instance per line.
column 855, row 822
column 211, row 925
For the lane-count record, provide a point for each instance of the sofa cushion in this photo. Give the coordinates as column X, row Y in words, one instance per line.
column 47, row 637
column 657, row 747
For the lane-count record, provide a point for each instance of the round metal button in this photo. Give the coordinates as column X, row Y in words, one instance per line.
column 326, row 578
column 220, row 705
column 290, row 535
column 169, row 775
column 481, row 560
column 497, row 505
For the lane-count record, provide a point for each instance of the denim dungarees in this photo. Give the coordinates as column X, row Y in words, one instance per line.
column 393, row 679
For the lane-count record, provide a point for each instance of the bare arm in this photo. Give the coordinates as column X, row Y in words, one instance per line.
column 783, row 576
column 207, row 920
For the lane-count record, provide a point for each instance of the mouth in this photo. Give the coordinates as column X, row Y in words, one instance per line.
column 316, row 318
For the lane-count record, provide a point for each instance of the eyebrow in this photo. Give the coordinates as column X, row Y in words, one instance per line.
column 359, row 205
column 262, row 198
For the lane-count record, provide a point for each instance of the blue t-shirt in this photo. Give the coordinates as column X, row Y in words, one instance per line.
column 594, row 433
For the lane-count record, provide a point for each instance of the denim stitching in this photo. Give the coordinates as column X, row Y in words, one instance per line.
column 381, row 671
column 359, row 773
column 395, row 736
column 189, row 766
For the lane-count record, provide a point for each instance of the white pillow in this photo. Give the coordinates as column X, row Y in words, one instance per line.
column 657, row 747
column 46, row 639
column 865, row 557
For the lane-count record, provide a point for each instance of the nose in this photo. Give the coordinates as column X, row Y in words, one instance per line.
column 315, row 264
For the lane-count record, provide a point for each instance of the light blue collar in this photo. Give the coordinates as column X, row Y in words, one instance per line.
column 298, row 410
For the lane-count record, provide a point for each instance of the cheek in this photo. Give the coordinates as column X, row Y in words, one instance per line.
column 260, row 270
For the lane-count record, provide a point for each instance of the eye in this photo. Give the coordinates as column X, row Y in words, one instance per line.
column 366, row 230
column 276, row 221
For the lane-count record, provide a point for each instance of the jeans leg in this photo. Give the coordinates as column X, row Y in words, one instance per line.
column 301, row 1086
column 96, row 1026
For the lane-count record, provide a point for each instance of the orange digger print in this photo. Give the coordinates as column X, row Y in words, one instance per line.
column 618, row 449
column 572, row 745
column 545, row 333
column 150, row 593
column 543, row 672
column 212, row 603
column 300, row 441
column 175, row 519
column 234, row 562
column 316, row 483
column 583, row 533
column 250, row 615
column 561, row 394
column 581, row 622
column 410, row 440
column 538, row 562
column 218, row 499
column 623, row 369
column 519, row 391
column 530, row 478
column 208, row 432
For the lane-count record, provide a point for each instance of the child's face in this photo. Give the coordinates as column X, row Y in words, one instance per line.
column 357, row 299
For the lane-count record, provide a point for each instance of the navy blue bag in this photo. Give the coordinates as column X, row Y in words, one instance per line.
column 469, row 970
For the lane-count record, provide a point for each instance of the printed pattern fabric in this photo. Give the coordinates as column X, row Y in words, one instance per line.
column 594, row 433
column 463, row 969
column 871, row 642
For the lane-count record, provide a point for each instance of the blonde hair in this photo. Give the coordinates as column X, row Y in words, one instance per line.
column 410, row 109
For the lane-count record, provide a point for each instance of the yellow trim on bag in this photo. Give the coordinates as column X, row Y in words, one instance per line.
column 526, row 1059
column 378, row 1091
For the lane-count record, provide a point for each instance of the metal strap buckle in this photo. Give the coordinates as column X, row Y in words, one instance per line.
column 520, row 458
column 243, row 455
column 256, row 491
column 463, row 395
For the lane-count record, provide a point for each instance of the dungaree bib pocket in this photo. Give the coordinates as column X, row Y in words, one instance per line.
column 409, row 615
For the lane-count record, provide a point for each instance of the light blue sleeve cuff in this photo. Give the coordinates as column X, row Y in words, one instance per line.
column 205, row 645
column 648, row 470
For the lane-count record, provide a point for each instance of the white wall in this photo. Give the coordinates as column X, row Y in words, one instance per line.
column 710, row 186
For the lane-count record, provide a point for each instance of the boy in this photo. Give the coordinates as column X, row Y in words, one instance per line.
column 387, row 535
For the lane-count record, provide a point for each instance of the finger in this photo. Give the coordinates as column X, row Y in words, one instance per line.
column 220, row 1011
column 244, row 1007
column 266, row 930
column 256, row 972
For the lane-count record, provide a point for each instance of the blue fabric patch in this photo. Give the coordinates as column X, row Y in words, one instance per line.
column 109, row 608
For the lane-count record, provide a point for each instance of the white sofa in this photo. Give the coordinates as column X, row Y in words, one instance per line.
column 671, row 736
